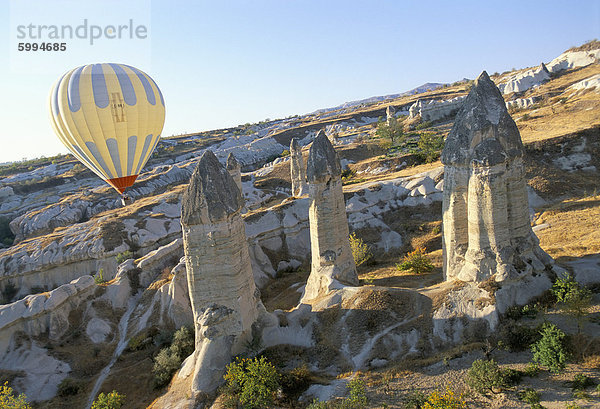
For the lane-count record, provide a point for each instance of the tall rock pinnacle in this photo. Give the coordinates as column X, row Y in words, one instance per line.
column 485, row 208
column 297, row 172
column 332, row 261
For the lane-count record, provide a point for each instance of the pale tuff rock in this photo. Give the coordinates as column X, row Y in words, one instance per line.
column 390, row 112
column 235, row 170
column 332, row 262
column 592, row 82
column 574, row 59
column 487, row 231
column 524, row 80
column 298, row 175
column 435, row 110
column 219, row 271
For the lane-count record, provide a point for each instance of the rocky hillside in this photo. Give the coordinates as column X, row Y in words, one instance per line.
column 90, row 288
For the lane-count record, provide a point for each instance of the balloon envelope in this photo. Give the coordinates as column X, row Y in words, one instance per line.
column 110, row 116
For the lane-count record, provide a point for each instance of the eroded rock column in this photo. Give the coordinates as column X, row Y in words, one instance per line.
column 332, row 262
column 487, row 232
column 235, row 170
column 222, row 290
column 390, row 114
column 297, row 173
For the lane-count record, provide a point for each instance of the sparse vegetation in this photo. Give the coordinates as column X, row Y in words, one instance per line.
column 416, row 261
column 6, row 235
column 253, row 383
column 360, row 250
column 69, row 387
column 392, row 134
column 430, row 146
column 486, row 376
column 529, row 395
column 10, row 400
column 8, row 292
column 573, row 299
column 550, row 350
column 446, row 400
column 357, row 398
column 112, row 400
column 169, row 359
column 121, row 257
column 99, row 277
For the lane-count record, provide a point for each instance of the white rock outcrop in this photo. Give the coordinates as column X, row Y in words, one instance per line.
column 297, row 170
column 219, row 273
column 435, row 109
column 390, row 115
column 574, row 59
column 486, row 227
column 332, row 261
column 522, row 81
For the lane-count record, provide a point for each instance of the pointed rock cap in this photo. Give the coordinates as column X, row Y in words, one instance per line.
column 323, row 162
column 294, row 145
column 212, row 194
column 232, row 162
column 482, row 116
column 544, row 68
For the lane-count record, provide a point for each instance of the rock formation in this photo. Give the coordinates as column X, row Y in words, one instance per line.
column 222, row 290
column 298, row 174
column 524, row 80
column 487, row 231
column 434, row 110
column 390, row 112
column 235, row 170
column 332, row 262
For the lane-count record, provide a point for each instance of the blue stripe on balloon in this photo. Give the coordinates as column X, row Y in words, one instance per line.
column 55, row 109
column 141, row 162
column 162, row 101
column 96, row 154
column 126, row 85
column 131, row 147
column 99, row 86
column 147, row 87
column 73, row 97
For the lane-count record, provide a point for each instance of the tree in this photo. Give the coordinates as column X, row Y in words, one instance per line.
column 393, row 133
column 550, row 350
column 110, row 401
column 574, row 299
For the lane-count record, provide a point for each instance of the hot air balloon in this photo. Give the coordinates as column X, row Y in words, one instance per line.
column 110, row 116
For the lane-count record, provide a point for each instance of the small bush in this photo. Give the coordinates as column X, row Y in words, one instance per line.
column 169, row 359
column 6, row 235
column 529, row 395
column 446, row 400
column 391, row 134
column 430, row 145
column 360, row 250
column 415, row 400
column 517, row 337
column 69, row 387
column 285, row 153
column 531, row 370
column 416, row 261
column 254, row 382
column 572, row 405
column 550, row 350
column 358, row 397
column 574, row 299
column 423, row 125
column 9, row 400
column 121, row 257
column 582, row 382
column 99, row 277
column 112, row 400
column 485, row 376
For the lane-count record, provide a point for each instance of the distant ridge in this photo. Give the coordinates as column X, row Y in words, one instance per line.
column 418, row 90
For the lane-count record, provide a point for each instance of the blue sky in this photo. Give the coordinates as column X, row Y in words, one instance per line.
column 223, row 63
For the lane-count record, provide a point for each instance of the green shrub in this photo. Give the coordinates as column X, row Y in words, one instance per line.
column 572, row 405
column 285, row 153
column 582, row 382
column 360, row 250
column 112, row 400
column 531, row 370
column 485, row 376
column 69, row 387
column 9, row 400
column 550, row 350
column 430, row 146
column 529, row 395
column 121, row 257
column 169, row 359
column 517, row 337
column 391, row 134
column 253, row 382
column 415, row 400
column 416, row 261
column 99, row 277
column 574, row 299
column 357, row 398
column 423, row 125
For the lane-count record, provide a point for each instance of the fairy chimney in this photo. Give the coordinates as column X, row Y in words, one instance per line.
column 297, row 172
column 220, row 281
column 332, row 261
column 235, row 170
column 486, row 227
